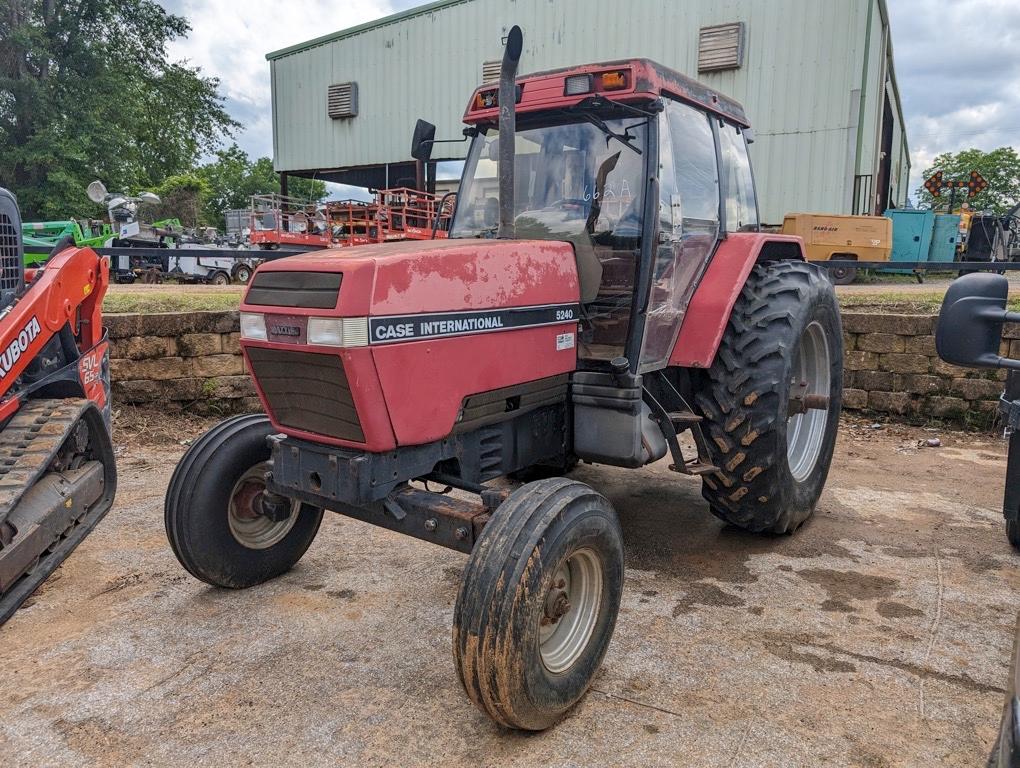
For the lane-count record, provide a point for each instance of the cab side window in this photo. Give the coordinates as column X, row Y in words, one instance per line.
column 741, row 208
column 688, row 225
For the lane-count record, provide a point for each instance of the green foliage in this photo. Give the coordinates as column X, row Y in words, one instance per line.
column 232, row 178
column 87, row 92
column 1000, row 168
column 183, row 196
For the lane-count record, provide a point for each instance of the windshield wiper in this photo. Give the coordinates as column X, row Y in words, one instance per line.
column 624, row 138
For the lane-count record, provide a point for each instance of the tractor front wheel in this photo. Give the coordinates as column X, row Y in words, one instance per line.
column 223, row 525
column 538, row 603
column 771, row 399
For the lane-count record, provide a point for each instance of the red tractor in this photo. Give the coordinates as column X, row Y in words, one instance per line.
column 617, row 292
column 57, row 472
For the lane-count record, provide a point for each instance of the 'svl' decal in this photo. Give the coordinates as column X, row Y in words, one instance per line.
column 18, row 345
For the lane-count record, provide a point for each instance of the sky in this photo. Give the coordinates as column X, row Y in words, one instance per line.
column 957, row 63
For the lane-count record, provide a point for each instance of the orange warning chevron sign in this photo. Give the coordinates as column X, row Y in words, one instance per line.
column 975, row 184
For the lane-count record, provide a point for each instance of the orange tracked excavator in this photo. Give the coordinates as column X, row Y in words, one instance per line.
column 57, row 473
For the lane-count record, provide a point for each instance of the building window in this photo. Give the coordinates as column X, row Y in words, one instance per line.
column 490, row 71
column 342, row 100
column 721, row 47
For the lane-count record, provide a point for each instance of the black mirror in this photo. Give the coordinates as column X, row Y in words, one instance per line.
column 969, row 330
column 422, row 140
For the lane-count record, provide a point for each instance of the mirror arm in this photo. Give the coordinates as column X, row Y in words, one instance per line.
column 445, row 141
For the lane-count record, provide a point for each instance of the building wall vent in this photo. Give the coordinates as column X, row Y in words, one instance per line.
column 490, row 71
column 721, row 47
column 342, row 100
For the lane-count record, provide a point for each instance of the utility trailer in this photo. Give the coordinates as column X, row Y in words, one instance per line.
column 193, row 263
column 623, row 295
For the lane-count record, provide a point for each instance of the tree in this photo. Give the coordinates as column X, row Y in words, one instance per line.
column 87, row 92
column 1000, row 168
column 232, row 178
column 182, row 197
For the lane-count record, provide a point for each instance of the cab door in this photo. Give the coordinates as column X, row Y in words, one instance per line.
column 688, row 226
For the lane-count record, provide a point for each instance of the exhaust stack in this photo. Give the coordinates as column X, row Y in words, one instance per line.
column 507, row 130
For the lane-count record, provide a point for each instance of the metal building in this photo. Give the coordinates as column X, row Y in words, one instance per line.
column 816, row 78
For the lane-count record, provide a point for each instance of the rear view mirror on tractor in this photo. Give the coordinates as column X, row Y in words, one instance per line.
column 970, row 323
column 422, row 140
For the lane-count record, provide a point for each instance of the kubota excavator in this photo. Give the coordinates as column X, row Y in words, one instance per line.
column 57, row 473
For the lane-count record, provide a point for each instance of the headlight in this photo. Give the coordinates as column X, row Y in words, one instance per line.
column 338, row 331
column 253, row 326
column 327, row 331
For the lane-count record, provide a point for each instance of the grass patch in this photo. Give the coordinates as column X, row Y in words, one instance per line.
column 902, row 303
column 149, row 302
column 152, row 302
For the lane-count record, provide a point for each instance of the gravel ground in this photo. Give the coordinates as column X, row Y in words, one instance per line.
column 877, row 635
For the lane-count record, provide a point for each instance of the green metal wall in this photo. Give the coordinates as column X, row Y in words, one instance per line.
column 803, row 80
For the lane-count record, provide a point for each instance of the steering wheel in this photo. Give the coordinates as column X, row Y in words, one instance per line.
column 572, row 204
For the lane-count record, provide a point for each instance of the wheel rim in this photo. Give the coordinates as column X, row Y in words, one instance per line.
column 243, row 275
column 249, row 527
column 805, row 432
column 570, row 610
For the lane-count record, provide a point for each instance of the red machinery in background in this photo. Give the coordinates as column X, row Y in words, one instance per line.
column 394, row 214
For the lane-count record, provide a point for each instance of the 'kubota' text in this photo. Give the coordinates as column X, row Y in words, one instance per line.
column 17, row 347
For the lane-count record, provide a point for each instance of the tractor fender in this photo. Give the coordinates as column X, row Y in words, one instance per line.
column 709, row 311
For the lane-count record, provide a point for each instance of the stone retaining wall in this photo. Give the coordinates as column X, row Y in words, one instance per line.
column 180, row 360
column 891, row 367
column 193, row 360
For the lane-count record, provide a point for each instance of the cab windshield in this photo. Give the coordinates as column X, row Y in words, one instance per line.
column 579, row 182
column 571, row 178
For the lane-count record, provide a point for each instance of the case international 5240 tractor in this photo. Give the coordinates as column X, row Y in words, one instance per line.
column 615, row 293
column 57, row 473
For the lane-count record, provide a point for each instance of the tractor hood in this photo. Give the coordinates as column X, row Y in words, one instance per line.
column 416, row 277
column 346, row 345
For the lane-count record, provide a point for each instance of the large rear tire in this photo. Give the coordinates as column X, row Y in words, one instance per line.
column 783, row 341
column 538, row 603
column 213, row 513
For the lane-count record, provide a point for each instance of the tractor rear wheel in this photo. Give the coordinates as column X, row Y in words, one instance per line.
column 222, row 526
column 538, row 603
column 771, row 399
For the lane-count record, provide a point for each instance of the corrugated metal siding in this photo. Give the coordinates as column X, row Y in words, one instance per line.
column 800, row 66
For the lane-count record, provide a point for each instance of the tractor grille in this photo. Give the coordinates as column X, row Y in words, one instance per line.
column 317, row 290
column 307, row 391
column 12, row 268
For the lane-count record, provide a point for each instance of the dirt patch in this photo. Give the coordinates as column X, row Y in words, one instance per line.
column 705, row 594
column 846, row 586
column 855, row 639
column 890, row 609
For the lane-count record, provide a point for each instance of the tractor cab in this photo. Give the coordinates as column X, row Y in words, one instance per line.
column 641, row 170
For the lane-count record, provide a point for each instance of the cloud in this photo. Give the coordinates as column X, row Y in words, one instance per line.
column 230, row 40
column 957, row 65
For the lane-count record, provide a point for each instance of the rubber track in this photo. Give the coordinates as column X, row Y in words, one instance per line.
column 29, row 442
